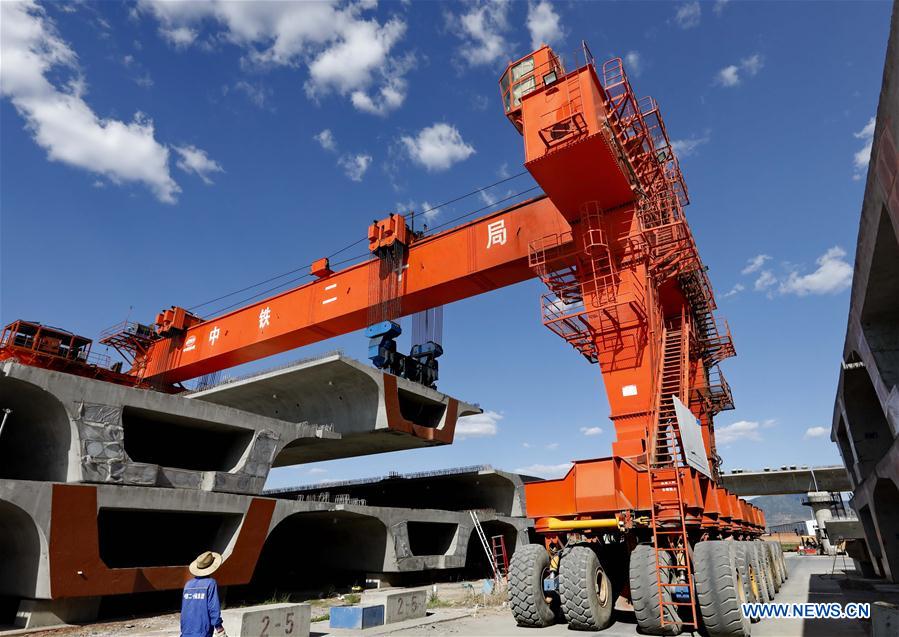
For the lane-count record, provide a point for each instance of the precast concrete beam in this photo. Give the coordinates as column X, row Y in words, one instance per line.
column 66, row 428
column 478, row 487
column 786, row 480
column 92, row 540
column 373, row 411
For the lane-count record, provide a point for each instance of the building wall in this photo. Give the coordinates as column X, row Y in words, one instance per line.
column 866, row 413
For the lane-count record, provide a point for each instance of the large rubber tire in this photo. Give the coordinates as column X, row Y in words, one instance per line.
column 720, row 589
column 766, row 575
column 771, row 567
column 529, row 566
column 585, row 589
column 645, row 592
column 751, row 569
column 778, row 552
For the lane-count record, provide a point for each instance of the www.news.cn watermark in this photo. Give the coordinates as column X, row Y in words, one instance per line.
column 809, row 610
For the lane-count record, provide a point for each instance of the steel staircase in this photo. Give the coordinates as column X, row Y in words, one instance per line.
column 665, row 466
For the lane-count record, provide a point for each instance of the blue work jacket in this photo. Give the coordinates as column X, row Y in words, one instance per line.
column 200, row 608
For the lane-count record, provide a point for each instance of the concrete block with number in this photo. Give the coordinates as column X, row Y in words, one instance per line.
column 400, row 605
column 268, row 620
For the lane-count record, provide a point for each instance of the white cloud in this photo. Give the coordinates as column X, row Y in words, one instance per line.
column 429, row 212
column 816, row 432
column 867, row 132
column 719, row 6
column 543, row 23
column 861, row 158
column 764, row 281
column 487, row 197
column 755, row 263
column 326, row 139
column 257, row 94
column 425, row 211
column 478, row 425
column 688, row 15
column 354, row 166
column 195, row 160
column 481, row 30
column 179, row 37
column 753, row 64
column 833, row 275
column 591, row 431
column 437, row 147
column 687, row 147
column 344, row 52
column 738, row 431
column 391, row 94
column 739, row 287
column 316, row 470
column 60, row 120
column 633, row 63
column 144, row 81
column 733, row 74
column 552, row 446
column 545, row 470
column 729, row 76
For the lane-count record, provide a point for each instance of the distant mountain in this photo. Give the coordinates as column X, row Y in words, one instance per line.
column 782, row 509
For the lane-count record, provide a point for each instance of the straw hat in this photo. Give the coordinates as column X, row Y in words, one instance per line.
column 206, row 564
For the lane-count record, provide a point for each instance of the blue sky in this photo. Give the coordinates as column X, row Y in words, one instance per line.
column 158, row 154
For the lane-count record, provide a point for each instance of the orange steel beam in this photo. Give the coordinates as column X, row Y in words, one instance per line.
column 477, row 257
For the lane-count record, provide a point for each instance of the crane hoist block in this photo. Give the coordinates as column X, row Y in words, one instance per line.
column 174, row 320
column 384, row 234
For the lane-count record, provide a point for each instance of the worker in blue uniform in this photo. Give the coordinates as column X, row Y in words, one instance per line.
column 200, row 608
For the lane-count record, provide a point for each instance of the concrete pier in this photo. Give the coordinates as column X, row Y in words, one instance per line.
column 821, row 503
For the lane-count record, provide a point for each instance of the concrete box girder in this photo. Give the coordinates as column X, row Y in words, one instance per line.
column 373, row 412
column 784, row 481
column 70, row 557
column 69, row 428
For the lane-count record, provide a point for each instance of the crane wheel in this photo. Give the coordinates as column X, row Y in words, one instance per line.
column 778, row 565
column 777, row 556
column 783, row 560
column 586, row 590
column 765, row 579
column 749, row 565
column 768, row 564
column 645, row 591
column 528, row 569
column 720, row 588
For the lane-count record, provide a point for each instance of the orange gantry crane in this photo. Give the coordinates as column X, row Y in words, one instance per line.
column 625, row 286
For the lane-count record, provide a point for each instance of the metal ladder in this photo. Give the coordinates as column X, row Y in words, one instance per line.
column 666, row 494
column 500, row 556
column 483, row 538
